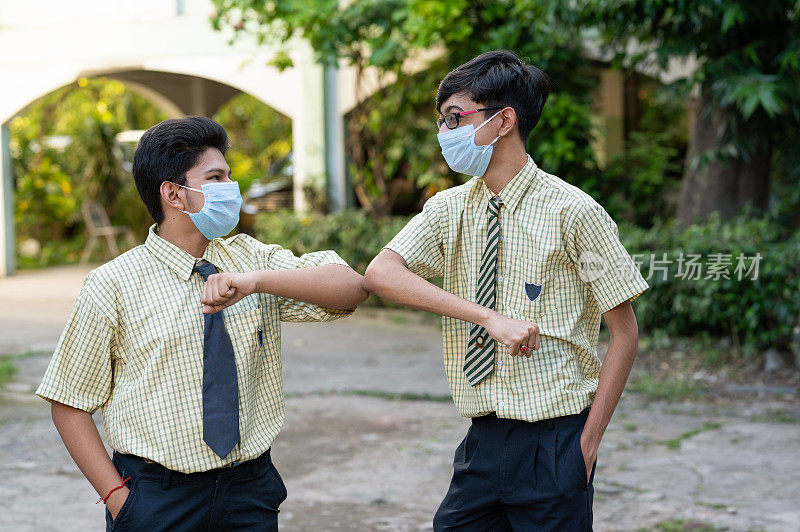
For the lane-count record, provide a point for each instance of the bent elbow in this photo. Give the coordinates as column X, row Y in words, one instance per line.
column 370, row 279
column 374, row 277
column 360, row 291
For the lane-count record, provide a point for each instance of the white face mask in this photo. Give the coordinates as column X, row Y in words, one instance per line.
column 220, row 213
column 461, row 152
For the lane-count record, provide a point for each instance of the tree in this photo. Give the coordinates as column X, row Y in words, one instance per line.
column 65, row 150
column 53, row 180
column 744, row 86
column 391, row 134
column 259, row 137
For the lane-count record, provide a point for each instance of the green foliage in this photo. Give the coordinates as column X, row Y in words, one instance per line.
column 754, row 313
column 7, row 370
column 785, row 206
column 259, row 137
column 749, row 65
column 747, row 54
column 560, row 143
column 392, row 148
column 638, row 182
column 64, row 251
column 65, row 151
column 391, row 136
column 44, row 198
column 53, row 178
column 353, row 234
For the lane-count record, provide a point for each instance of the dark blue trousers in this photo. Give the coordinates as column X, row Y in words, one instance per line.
column 242, row 497
column 521, row 476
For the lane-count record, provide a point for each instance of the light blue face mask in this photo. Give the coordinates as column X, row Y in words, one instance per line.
column 220, row 212
column 461, row 152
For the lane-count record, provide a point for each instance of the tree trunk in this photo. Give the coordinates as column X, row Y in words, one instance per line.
column 725, row 185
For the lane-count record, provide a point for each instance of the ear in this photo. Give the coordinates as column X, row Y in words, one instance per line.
column 509, row 117
column 170, row 195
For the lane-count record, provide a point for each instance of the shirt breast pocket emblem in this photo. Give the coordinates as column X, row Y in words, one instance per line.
column 533, row 290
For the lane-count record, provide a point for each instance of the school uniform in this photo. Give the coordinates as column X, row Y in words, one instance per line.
column 543, row 251
column 135, row 346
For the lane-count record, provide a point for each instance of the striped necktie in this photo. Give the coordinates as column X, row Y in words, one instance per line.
column 479, row 361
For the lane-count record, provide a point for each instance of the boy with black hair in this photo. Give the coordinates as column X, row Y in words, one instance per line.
column 530, row 264
column 191, row 398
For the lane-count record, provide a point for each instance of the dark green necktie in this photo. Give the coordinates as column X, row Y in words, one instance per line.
column 220, row 385
column 479, row 361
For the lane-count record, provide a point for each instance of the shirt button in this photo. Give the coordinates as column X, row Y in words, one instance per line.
column 501, row 238
column 500, row 403
column 479, row 340
column 500, row 278
column 500, row 363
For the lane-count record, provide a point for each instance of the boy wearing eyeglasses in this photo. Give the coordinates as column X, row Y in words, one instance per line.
column 530, row 264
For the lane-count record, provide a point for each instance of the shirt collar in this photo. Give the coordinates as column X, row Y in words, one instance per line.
column 182, row 262
column 515, row 189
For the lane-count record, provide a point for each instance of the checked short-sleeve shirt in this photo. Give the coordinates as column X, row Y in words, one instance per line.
column 560, row 264
column 133, row 347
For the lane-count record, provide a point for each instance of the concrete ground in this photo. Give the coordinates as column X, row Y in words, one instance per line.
column 369, row 435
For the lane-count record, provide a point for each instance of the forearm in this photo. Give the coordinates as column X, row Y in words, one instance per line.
column 389, row 278
column 617, row 364
column 80, row 436
column 331, row 285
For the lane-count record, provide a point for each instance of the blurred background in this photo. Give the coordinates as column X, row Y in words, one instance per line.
column 681, row 118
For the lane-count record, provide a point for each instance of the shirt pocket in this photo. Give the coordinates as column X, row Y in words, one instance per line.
column 246, row 331
column 530, row 285
column 246, row 304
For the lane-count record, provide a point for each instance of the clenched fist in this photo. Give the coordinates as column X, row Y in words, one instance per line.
column 224, row 289
column 519, row 337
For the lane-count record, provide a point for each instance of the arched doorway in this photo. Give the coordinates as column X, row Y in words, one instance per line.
column 175, row 94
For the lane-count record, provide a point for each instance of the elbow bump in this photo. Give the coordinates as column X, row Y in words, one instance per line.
column 373, row 277
column 369, row 280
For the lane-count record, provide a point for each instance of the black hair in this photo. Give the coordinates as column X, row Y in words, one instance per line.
column 500, row 78
column 168, row 150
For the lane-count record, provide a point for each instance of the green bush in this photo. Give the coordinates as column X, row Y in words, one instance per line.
column 64, row 151
column 353, row 234
column 754, row 313
column 639, row 182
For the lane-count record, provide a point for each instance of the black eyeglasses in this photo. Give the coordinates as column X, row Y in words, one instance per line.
column 451, row 120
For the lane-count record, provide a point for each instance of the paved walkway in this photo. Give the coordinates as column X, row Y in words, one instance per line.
column 357, row 456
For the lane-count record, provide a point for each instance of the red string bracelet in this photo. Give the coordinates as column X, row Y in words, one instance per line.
column 124, row 480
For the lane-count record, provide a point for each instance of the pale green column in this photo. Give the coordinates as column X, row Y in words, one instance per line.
column 8, row 259
column 612, row 102
column 338, row 195
column 308, row 134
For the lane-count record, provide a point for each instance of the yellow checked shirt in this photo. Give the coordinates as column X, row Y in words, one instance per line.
column 133, row 346
column 555, row 236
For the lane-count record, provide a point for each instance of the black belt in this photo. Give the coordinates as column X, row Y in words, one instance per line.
column 145, row 468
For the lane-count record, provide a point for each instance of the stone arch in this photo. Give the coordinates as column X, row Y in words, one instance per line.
column 177, row 92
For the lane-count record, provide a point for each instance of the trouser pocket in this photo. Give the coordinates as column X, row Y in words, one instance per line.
column 125, row 519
